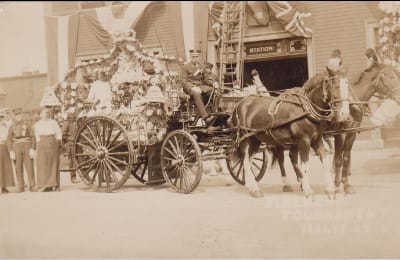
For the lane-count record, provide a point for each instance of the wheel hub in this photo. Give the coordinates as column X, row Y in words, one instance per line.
column 101, row 153
column 180, row 160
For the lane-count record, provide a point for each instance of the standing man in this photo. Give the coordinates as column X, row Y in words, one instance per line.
column 8, row 119
column 194, row 83
column 6, row 171
column 20, row 143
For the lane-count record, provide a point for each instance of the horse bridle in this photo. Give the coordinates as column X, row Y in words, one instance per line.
column 315, row 109
column 391, row 91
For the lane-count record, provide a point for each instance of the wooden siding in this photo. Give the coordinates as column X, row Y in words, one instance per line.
column 340, row 25
column 24, row 91
column 155, row 28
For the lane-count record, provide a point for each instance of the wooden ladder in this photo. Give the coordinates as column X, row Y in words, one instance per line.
column 230, row 52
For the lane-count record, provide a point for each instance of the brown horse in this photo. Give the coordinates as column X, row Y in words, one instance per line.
column 298, row 118
column 377, row 79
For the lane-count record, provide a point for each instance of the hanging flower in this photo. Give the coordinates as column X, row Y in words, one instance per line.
column 72, row 101
column 386, row 29
column 130, row 48
column 74, row 85
column 73, row 93
column 64, row 85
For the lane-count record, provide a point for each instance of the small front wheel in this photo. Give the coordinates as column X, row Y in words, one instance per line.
column 181, row 161
column 259, row 164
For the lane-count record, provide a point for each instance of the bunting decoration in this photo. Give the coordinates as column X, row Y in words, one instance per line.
column 61, row 43
column 292, row 15
column 104, row 21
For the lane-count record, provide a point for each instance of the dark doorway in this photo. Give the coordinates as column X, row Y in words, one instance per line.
column 278, row 74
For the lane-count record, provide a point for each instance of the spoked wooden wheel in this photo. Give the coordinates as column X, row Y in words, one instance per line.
column 102, row 153
column 181, row 161
column 258, row 164
column 141, row 173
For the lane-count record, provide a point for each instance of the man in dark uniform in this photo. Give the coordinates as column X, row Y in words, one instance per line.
column 196, row 82
column 20, row 144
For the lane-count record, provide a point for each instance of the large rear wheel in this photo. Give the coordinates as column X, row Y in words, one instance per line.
column 102, row 153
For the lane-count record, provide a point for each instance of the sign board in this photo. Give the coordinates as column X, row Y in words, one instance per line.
column 265, row 47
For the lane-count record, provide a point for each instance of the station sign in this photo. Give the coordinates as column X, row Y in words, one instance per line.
column 264, row 47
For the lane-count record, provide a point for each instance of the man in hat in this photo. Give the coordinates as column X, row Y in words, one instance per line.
column 8, row 117
column 6, row 172
column 196, row 83
column 20, row 143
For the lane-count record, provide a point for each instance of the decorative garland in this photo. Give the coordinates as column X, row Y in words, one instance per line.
column 137, row 79
column 389, row 33
column 129, row 67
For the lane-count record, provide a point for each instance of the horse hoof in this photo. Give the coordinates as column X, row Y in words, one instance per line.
column 256, row 194
column 331, row 194
column 348, row 189
column 287, row 188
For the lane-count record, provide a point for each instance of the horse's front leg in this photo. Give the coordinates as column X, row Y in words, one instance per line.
column 338, row 159
column 280, row 155
column 294, row 158
column 346, row 170
column 250, row 180
column 304, row 150
column 319, row 149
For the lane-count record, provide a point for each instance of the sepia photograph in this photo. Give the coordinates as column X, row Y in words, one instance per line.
column 199, row 129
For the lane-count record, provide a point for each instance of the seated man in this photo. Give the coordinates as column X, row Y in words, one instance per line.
column 196, row 82
column 100, row 92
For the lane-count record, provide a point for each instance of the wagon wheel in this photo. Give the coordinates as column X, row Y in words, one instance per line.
column 181, row 161
column 102, row 153
column 259, row 165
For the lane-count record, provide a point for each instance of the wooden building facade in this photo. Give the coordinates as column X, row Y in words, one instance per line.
column 282, row 59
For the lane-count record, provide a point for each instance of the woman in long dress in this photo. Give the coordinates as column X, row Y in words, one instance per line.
column 6, row 172
column 48, row 141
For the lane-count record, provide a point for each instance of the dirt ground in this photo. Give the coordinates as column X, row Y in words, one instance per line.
column 218, row 220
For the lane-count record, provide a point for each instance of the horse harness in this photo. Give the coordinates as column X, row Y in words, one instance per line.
column 298, row 97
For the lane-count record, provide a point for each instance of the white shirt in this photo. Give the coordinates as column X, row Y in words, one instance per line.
column 3, row 133
column 101, row 90
column 47, row 127
column 8, row 123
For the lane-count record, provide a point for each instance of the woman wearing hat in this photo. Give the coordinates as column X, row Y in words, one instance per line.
column 6, row 174
column 48, row 141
